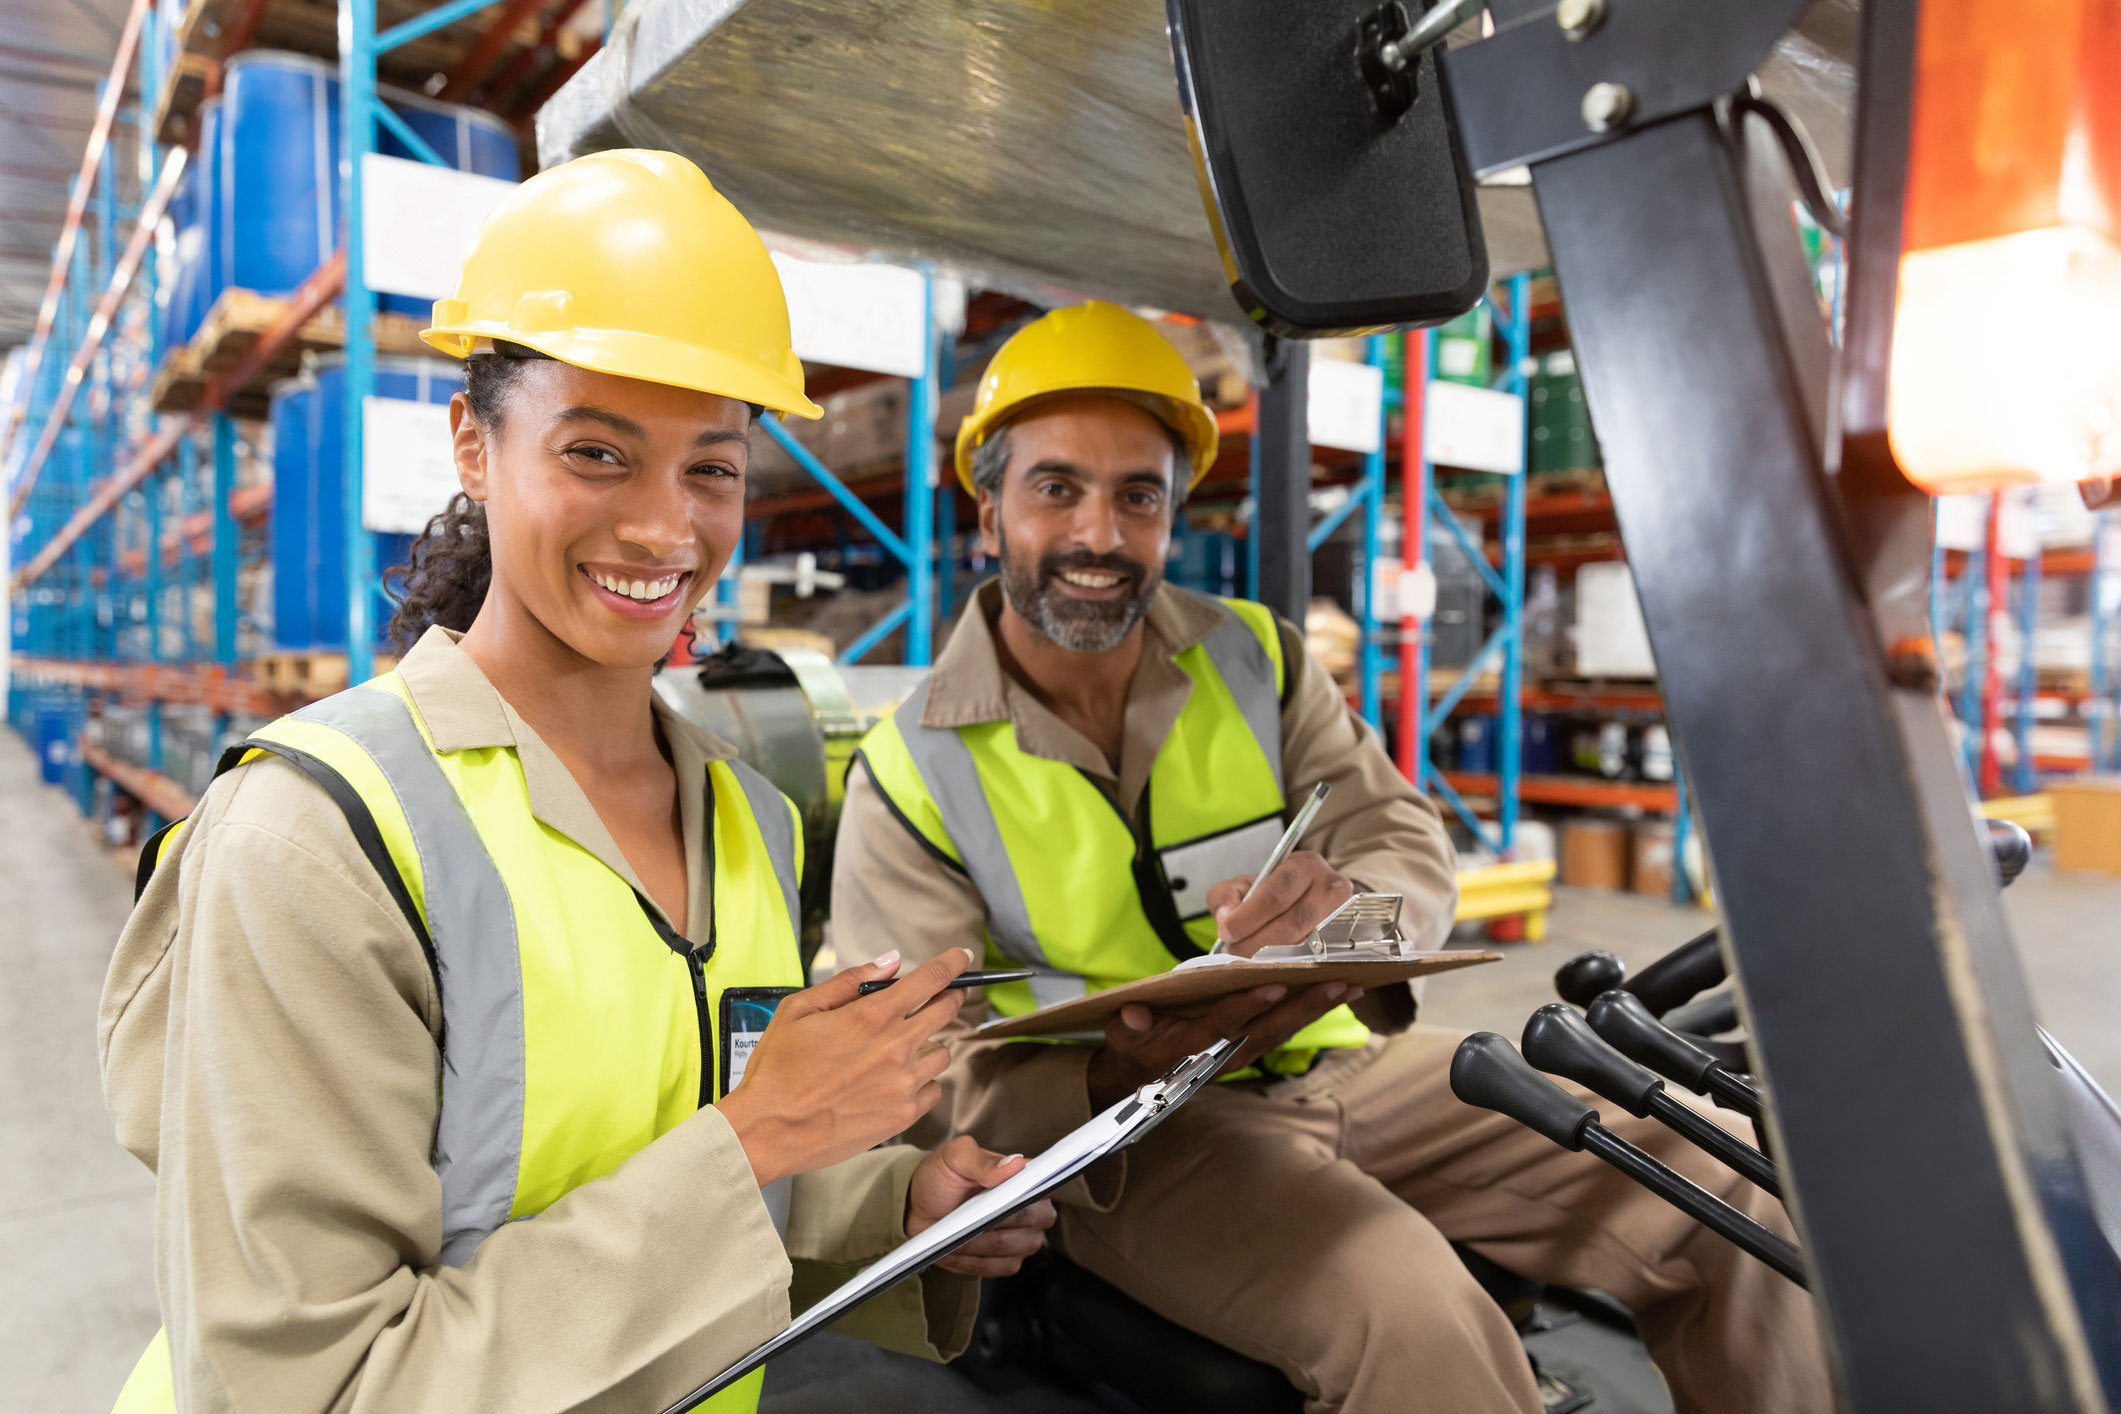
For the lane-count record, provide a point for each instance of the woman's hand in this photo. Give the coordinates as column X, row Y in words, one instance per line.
column 837, row 1073
column 954, row 1173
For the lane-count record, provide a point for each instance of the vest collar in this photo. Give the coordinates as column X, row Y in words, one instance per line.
column 462, row 711
column 969, row 686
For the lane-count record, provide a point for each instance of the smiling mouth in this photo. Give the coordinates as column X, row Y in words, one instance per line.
column 1091, row 579
column 645, row 592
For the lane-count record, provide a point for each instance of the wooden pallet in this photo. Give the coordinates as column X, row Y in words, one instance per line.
column 190, row 78
column 308, row 675
column 233, row 327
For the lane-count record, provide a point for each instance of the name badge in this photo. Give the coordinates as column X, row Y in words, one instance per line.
column 745, row 1012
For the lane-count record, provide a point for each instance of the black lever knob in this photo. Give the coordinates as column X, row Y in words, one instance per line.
column 2011, row 848
column 1680, row 975
column 1622, row 1019
column 1711, row 1015
column 1585, row 975
column 1488, row 1074
column 1560, row 1042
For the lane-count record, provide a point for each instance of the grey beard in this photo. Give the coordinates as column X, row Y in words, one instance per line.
column 1073, row 624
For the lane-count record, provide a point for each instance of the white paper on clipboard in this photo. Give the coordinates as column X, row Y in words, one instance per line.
column 1108, row 1133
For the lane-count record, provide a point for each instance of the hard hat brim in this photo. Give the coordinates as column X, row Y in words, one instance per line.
column 1194, row 423
column 625, row 354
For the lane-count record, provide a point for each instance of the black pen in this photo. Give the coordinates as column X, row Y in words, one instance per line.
column 961, row 981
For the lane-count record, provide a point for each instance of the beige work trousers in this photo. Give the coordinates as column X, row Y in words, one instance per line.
column 1307, row 1224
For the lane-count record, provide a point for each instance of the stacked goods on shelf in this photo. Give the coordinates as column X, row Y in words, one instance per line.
column 464, row 138
column 1561, row 437
column 308, row 519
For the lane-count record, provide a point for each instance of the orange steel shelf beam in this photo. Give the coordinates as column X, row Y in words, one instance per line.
column 200, row 684
column 317, row 291
column 99, row 324
column 1574, row 790
column 247, row 506
column 151, row 788
column 77, row 205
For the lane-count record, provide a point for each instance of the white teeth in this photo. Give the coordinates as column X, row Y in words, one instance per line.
column 642, row 590
column 1090, row 580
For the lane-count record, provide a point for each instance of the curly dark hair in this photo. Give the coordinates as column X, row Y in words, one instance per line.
column 451, row 563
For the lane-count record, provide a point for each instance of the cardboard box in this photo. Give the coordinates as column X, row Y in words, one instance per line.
column 1594, row 853
column 1650, row 870
column 2088, row 823
column 1611, row 641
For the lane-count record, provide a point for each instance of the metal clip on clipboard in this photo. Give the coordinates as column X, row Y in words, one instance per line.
column 1119, row 1126
column 1364, row 929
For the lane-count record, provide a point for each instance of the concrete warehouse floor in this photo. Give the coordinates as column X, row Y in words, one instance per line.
column 77, row 1213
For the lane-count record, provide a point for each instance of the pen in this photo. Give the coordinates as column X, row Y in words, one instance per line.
column 961, row 981
column 1287, row 842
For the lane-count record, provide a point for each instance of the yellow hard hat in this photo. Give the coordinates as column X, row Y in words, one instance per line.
column 630, row 262
column 1094, row 347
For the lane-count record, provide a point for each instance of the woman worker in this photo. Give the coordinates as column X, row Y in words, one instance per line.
column 424, row 1020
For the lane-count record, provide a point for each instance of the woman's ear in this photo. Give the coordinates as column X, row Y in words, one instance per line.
column 468, row 441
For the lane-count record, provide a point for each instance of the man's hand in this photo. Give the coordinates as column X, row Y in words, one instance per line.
column 1296, row 898
column 1141, row 1045
column 954, row 1173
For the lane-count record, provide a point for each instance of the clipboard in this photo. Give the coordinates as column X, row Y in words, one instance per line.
column 1359, row 943
column 1106, row 1134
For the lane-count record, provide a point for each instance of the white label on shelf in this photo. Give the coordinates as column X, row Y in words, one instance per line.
column 1346, row 405
column 1478, row 429
column 418, row 222
column 857, row 314
column 408, row 469
column 1404, row 593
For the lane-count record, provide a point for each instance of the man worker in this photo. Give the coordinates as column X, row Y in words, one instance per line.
column 1083, row 785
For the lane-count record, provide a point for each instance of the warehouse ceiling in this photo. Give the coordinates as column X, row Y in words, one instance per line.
column 53, row 54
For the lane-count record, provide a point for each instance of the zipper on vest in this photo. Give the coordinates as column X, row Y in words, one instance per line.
column 696, row 965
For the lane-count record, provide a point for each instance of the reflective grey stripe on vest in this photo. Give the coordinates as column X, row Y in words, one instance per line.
column 1248, row 672
column 777, row 827
column 478, row 1148
column 946, row 765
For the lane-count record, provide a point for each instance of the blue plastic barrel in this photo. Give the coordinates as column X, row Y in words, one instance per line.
column 191, row 213
column 468, row 139
column 277, row 173
column 54, row 739
column 1476, row 744
column 308, row 536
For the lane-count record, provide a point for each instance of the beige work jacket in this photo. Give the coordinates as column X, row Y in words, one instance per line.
column 890, row 891
column 268, row 1036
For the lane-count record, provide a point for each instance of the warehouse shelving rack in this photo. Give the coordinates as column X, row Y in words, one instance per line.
column 1418, row 718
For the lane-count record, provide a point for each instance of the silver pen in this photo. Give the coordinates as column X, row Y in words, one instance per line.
column 1282, row 846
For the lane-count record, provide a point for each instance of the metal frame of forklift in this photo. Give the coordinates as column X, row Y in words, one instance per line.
column 1782, row 562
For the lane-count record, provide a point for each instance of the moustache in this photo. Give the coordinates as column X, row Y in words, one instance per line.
column 1054, row 565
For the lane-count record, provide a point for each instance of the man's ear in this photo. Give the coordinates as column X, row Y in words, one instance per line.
column 468, row 447
column 990, row 527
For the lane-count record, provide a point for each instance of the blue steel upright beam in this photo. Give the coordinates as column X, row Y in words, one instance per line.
column 1368, row 663
column 357, row 97
column 225, row 544
column 1509, row 710
column 920, row 491
column 2028, row 668
column 2105, row 695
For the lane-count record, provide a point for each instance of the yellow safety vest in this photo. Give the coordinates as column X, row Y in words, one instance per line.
column 578, row 1026
column 1071, row 890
